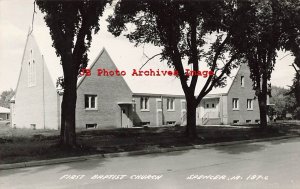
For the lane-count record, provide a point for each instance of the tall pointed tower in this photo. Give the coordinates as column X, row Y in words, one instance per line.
column 35, row 103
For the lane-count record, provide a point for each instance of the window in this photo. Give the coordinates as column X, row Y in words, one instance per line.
column 158, row 104
column 236, row 121
column 249, row 104
column 133, row 105
column 248, row 121
column 33, row 126
column 235, row 104
column 171, row 122
column 242, row 81
column 145, row 103
column 213, row 105
column 207, row 105
column 170, row 104
column 90, row 102
column 183, row 105
column 31, row 71
column 145, row 123
column 93, row 125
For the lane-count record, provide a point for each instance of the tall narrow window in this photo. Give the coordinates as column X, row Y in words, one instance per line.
column 235, row 104
column 170, row 104
column 249, row 104
column 145, row 103
column 31, row 71
column 242, row 81
column 90, row 102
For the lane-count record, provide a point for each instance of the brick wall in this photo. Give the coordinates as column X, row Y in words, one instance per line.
column 109, row 90
column 242, row 93
column 151, row 115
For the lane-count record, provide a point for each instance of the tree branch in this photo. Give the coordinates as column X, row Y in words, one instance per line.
column 194, row 53
column 208, row 81
column 149, row 59
column 215, row 80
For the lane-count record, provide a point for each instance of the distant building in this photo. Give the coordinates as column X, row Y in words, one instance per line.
column 4, row 113
column 125, row 101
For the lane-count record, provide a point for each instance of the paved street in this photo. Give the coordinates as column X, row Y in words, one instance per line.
column 273, row 164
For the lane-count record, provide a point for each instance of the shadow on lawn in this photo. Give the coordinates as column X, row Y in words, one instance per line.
column 240, row 149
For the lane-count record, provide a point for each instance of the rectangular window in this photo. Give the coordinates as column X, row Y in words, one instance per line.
column 236, row 121
column 183, row 105
column 235, row 104
column 170, row 104
column 242, row 81
column 133, row 105
column 249, row 104
column 158, row 104
column 145, row 103
column 90, row 102
column 248, row 121
column 93, row 125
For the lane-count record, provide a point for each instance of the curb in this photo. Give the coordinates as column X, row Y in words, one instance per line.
column 133, row 153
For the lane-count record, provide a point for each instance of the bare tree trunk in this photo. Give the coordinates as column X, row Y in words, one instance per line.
column 262, row 102
column 69, row 107
column 68, row 132
column 62, row 122
column 191, row 131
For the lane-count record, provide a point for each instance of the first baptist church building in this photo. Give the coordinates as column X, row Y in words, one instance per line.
column 125, row 100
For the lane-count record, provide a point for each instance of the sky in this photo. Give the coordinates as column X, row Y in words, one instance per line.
column 16, row 19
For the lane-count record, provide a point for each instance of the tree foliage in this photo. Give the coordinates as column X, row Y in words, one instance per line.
column 5, row 98
column 71, row 25
column 283, row 102
column 193, row 32
column 265, row 31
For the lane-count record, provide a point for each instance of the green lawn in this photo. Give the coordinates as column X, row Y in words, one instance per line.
column 19, row 145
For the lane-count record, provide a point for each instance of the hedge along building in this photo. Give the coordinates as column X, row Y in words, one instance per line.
column 125, row 100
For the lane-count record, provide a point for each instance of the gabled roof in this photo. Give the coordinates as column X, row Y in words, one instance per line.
column 4, row 110
column 127, row 57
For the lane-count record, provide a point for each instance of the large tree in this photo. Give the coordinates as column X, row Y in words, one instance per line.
column 259, row 39
column 291, row 42
column 195, row 32
column 71, row 25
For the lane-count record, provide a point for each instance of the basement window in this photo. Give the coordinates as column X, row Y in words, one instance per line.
column 33, row 126
column 236, row 121
column 171, row 122
column 91, row 126
column 145, row 123
column 248, row 121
